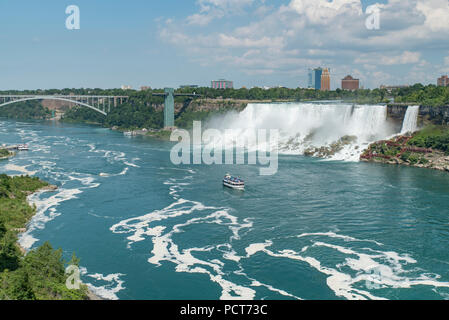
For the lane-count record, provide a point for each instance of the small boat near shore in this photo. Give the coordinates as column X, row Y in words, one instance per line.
column 233, row 182
column 22, row 147
column 130, row 133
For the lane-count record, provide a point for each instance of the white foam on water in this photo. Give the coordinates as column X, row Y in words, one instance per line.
column 176, row 187
column 113, row 157
column 228, row 253
column 131, row 164
column 331, row 234
column 124, row 171
column 87, row 181
column 21, row 169
column 45, row 212
column 256, row 283
column 370, row 268
column 138, row 226
column 113, row 284
column 257, row 247
column 164, row 248
column 107, row 175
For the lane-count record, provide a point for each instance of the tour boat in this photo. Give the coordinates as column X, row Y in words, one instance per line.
column 22, row 147
column 233, row 182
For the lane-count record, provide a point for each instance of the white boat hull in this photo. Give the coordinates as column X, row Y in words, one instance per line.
column 237, row 187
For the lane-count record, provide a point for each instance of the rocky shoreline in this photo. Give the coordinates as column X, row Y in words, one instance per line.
column 51, row 188
column 48, row 188
column 397, row 151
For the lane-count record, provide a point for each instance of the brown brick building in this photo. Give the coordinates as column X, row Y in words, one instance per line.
column 349, row 83
column 443, row 81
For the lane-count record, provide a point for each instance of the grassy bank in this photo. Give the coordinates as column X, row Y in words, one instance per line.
column 40, row 274
column 435, row 137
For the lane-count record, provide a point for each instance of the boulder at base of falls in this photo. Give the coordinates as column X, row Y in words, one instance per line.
column 330, row 150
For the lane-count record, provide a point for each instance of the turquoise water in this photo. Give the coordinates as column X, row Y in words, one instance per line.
column 146, row 229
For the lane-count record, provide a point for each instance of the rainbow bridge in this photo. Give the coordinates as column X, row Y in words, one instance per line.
column 101, row 104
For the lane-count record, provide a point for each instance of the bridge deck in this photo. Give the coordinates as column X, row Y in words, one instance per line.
column 101, row 104
column 22, row 96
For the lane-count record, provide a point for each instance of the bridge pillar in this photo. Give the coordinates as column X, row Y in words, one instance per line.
column 169, row 108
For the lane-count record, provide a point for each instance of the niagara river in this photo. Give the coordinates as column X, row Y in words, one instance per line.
column 332, row 228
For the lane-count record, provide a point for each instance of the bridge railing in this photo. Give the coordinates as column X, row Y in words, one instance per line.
column 100, row 103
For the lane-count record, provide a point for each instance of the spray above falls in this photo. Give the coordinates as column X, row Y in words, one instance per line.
column 333, row 130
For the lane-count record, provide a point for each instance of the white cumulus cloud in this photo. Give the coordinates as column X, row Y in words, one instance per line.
column 323, row 11
column 436, row 13
column 286, row 40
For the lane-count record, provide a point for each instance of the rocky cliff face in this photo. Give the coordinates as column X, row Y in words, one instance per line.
column 208, row 105
column 218, row 104
column 434, row 115
column 56, row 105
column 427, row 115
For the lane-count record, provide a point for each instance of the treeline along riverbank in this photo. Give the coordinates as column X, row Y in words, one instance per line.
column 40, row 273
column 25, row 110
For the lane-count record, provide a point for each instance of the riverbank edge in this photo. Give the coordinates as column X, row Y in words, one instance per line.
column 408, row 165
column 10, row 155
column 159, row 134
column 49, row 188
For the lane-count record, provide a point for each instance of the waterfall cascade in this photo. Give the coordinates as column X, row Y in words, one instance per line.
column 410, row 120
column 335, row 131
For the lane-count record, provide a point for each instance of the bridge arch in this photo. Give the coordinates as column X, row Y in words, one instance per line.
column 55, row 98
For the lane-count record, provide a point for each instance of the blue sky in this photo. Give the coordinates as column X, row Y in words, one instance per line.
column 253, row 42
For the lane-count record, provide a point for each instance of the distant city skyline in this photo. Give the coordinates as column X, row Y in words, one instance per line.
column 251, row 42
